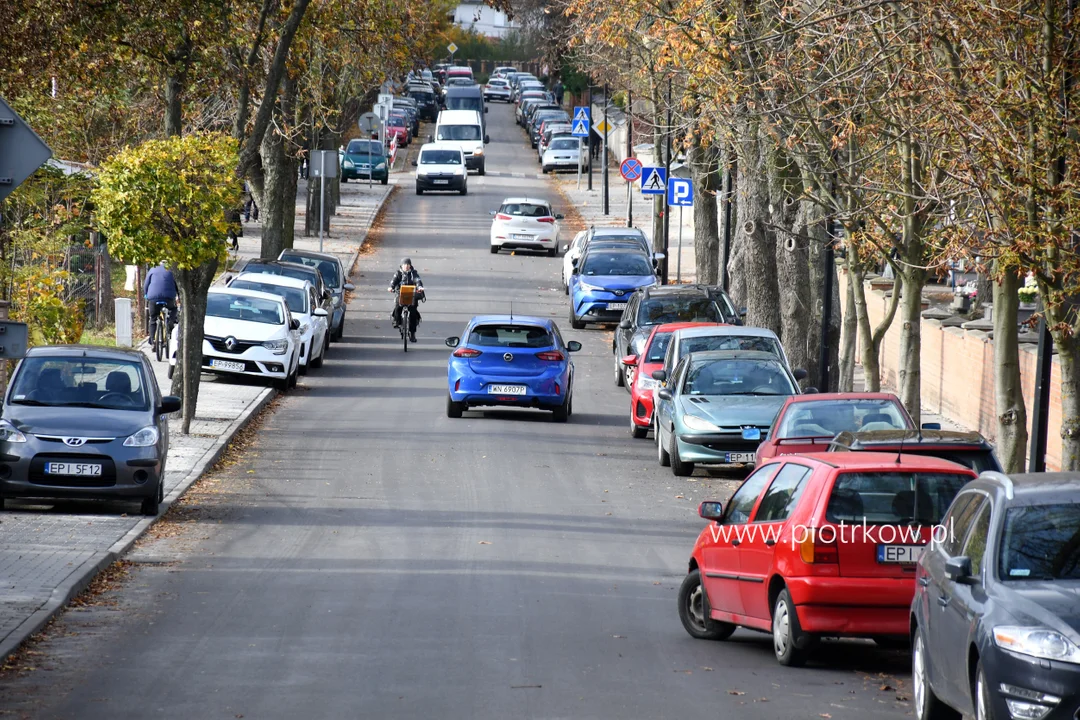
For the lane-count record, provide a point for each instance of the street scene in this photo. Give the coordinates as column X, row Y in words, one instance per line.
column 461, row 374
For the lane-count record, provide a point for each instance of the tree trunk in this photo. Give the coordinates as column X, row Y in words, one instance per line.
column 757, row 251
column 292, row 172
column 848, row 335
column 174, row 100
column 272, row 211
column 910, row 375
column 704, row 166
column 193, row 286
column 813, row 224
column 797, row 332
column 1012, row 435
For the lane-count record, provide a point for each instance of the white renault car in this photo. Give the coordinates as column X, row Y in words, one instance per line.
column 299, row 295
column 250, row 333
column 525, row 223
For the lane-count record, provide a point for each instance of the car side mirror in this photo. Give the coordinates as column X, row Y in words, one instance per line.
column 664, row 394
column 625, row 324
column 657, row 256
column 566, row 248
column 492, row 212
column 415, row 163
column 431, row 138
column 487, row 139
column 320, row 312
column 453, row 341
column 742, row 312
column 958, row 569
column 660, row 375
column 630, row 360
column 573, row 346
column 170, row 404
column 294, row 324
column 931, row 426
column 711, row 510
column 349, row 286
column 799, row 374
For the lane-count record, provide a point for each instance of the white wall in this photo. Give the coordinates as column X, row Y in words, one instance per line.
column 483, row 19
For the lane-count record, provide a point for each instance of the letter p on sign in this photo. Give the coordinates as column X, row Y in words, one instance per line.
column 680, row 192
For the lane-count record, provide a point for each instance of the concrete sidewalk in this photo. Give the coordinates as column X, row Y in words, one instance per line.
column 50, row 551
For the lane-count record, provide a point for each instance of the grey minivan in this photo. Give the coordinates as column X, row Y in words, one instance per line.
column 467, row 98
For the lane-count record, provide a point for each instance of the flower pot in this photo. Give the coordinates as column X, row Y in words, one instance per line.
column 961, row 303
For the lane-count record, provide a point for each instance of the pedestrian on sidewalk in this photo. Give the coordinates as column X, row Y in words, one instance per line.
column 558, row 90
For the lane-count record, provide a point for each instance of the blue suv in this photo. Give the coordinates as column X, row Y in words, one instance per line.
column 603, row 281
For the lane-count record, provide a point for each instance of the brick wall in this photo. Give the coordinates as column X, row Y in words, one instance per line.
column 958, row 374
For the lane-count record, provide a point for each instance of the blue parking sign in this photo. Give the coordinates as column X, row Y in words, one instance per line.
column 680, row 192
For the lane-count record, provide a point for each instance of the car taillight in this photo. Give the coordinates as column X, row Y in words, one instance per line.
column 457, row 386
column 552, row 355
column 547, row 220
column 466, row 353
column 558, row 389
column 502, row 216
column 815, row 550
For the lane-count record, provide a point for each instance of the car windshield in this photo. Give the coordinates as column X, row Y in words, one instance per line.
column 737, row 377
column 396, row 121
column 464, row 103
column 112, row 384
column 565, row 144
column 729, row 342
column 826, row 418
column 295, row 298
column 657, row 311
column 328, row 269
column 893, row 498
column 422, row 96
column 628, row 264
column 458, row 132
column 440, row 157
column 240, row 307
column 510, row 336
column 526, row 209
column 365, row 147
column 1041, row 542
column 658, row 348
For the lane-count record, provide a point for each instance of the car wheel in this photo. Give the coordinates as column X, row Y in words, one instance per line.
column 150, row 505
column 636, row 431
column 983, row 709
column 495, row 249
column 170, row 371
column 789, row 641
column 661, row 451
column 561, row 413
column 481, row 170
column 317, row 362
column 694, row 611
column 620, row 378
column 678, row 467
column 302, row 367
column 282, row 384
column 465, row 190
column 545, row 170
column 341, row 329
column 927, row 705
column 1, row 503
column 293, row 378
column 575, row 323
column 386, row 180
column 453, row 409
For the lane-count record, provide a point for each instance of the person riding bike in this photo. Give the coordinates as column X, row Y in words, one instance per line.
column 160, row 287
column 406, row 275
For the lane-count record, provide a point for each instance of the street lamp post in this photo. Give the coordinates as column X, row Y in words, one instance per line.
column 667, row 173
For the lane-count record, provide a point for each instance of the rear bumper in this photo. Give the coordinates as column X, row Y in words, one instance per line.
column 824, row 605
column 362, row 174
column 546, row 390
column 538, row 242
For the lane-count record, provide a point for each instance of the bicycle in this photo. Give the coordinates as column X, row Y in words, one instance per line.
column 162, row 331
column 408, row 296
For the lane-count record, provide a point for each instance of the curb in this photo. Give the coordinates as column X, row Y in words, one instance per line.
column 82, row 575
column 355, row 256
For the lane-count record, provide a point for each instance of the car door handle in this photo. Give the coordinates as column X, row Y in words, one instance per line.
column 924, row 581
column 943, row 601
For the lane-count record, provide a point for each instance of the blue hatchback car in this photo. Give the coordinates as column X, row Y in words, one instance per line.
column 503, row 360
column 603, row 281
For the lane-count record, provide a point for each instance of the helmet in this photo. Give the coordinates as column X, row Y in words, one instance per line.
column 406, row 261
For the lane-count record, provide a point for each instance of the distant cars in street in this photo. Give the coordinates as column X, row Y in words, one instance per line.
column 334, row 277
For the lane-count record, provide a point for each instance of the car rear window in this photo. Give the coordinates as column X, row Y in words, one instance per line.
column 526, row 210
column 1041, row 542
column 510, row 336
column 729, row 342
column 826, row 418
column 893, row 498
column 327, row 268
column 105, row 383
column 657, row 311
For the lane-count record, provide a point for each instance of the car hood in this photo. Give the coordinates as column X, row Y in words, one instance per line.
column 77, row 422
column 734, row 410
column 618, row 282
column 1044, row 602
column 242, row 329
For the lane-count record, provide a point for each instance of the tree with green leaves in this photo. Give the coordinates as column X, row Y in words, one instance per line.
column 165, row 200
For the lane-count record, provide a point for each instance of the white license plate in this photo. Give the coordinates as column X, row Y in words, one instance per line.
column 906, row 554
column 84, row 469
column 507, row 390
column 226, row 365
column 440, row 182
column 616, row 306
column 740, row 457
column 519, row 236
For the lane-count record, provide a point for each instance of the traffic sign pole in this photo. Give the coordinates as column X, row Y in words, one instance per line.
column 678, row 259
column 590, row 135
column 607, row 202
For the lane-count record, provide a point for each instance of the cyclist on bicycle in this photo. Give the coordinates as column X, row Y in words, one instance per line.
column 406, row 275
column 160, row 289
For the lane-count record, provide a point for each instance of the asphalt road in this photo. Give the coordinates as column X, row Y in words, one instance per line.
column 368, row 557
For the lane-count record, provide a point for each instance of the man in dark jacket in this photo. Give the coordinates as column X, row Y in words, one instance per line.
column 406, row 275
column 160, row 287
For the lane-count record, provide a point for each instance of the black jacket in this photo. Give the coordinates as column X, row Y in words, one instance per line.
column 405, row 278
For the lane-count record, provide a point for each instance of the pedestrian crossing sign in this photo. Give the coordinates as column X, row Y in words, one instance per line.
column 582, row 113
column 654, row 181
column 580, row 128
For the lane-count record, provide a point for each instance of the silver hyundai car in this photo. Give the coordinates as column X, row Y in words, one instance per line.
column 85, row 422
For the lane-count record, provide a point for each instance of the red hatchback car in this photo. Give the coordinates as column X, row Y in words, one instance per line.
column 643, row 384
column 808, row 423
column 820, row 545
column 398, row 127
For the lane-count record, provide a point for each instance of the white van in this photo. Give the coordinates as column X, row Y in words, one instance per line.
column 464, row 129
column 441, row 166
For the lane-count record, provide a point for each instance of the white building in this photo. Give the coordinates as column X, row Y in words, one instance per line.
column 484, row 20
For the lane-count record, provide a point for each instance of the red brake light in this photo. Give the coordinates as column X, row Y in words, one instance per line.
column 551, row 355
column 466, row 352
column 503, row 216
column 546, row 220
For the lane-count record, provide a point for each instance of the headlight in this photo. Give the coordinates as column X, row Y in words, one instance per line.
column 459, row 171
column 1037, row 642
column 144, row 438
column 693, row 422
column 337, row 300
column 479, row 150
column 278, row 347
column 646, row 383
column 348, row 164
column 10, row 433
column 381, row 166
column 591, row 288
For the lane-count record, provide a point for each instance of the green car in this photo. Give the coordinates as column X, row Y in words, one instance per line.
column 717, row 407
column 363, row 157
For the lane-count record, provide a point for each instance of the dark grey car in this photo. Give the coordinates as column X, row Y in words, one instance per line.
column 85, row 422
column 333, row 274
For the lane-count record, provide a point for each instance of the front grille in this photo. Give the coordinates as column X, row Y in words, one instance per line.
column 89, row 441
column 218, row 343
column 106, row 479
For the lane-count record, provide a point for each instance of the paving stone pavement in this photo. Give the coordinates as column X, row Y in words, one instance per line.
column 50, row 551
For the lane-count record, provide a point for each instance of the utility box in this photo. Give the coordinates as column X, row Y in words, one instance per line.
column 13, row 339
column 125, row 322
